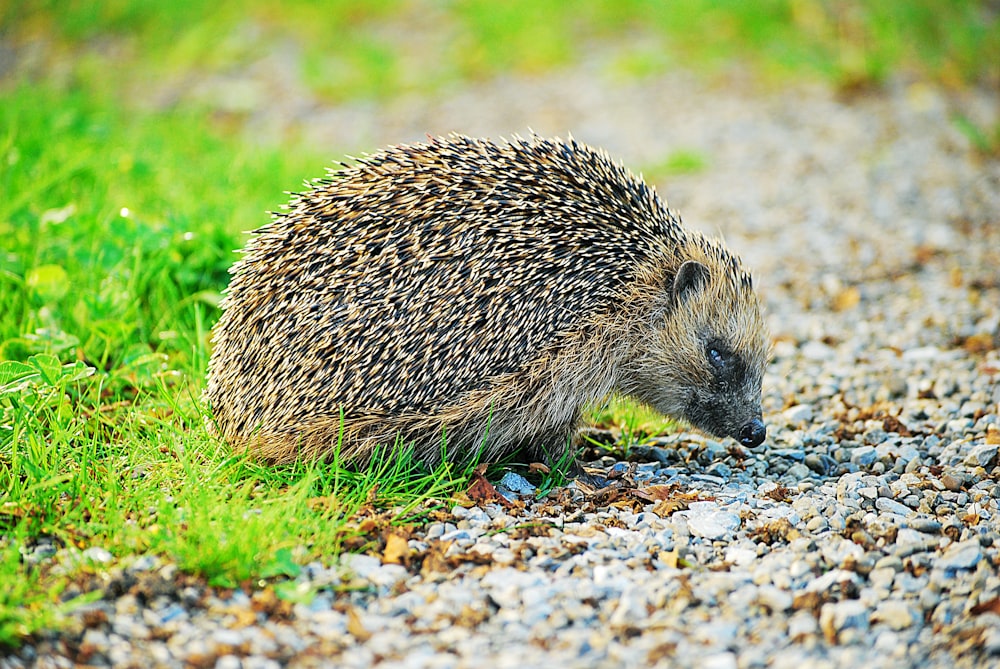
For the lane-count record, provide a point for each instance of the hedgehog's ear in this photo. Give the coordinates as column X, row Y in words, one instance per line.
column 691, row 279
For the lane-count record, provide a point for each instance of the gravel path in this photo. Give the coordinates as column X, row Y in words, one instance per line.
column 864, row 532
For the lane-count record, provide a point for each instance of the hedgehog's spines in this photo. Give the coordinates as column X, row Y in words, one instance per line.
column 426, row 284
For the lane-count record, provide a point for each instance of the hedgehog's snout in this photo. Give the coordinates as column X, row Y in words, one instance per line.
column 753, row 433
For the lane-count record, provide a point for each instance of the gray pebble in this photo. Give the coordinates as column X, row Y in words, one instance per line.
column 517, row 483
column 925, row 525
column 963, row 555
column 798, row 414
column 705, row 519
column 890, row 505
column 897, row 614
column 982, row 455
column 864, row 456
column 820, row 463
column 836, row 618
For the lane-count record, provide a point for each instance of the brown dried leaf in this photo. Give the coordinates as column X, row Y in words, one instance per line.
column 482, row 491
column 267, row 602
column 629, row 503
column 355, row 627
column 989, row 606
column 653, row 493
column 397, row 549
column 536, row 467
column 605, row 496
column 666, row 507
column 779, row 493
column 808, row 601
column 472, row 617
column 626, row 474
column 773, row 531
column 435, row 560
column 893, row 424
column 325, row 503
column 979, row 343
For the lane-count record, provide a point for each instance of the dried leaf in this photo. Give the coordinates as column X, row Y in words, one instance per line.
column 354, row 626
column 435, row 560
column 472, row 617
column 397, row 549
column 669, row 558
column 482, row 491
column 585, row 487
column 893, row 424
column 266, row 601
column 668, row 498
column 773, row 531
column 989, row 606
column 779, row 493
column 979, row 343
column 605, row 496
column 667, row 507
column 655, row 493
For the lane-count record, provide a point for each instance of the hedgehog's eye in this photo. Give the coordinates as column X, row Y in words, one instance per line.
column 717, row 357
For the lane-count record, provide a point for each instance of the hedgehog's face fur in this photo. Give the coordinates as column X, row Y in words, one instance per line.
column 703, row 355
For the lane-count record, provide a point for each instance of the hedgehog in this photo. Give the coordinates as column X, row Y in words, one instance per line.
column 470, row 298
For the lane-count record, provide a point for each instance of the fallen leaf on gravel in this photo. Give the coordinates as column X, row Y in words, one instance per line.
column 655, row 493
column 397, row 550
column 669, row 558
column 811, row 600
column 989, row 606
column 982, row 342
column 661, row 652
column 267, row 601
column 893, row 424
column 434, row 559
column 470, row 617
column 626, row 473
column 354, row 626
column 667, row 499
column 528, row 530
column 482, row 491
column 781, row 529
column 241, row 617
column 667, row 507
column 324, row 503
column 779, row 493
column 629, row 503
column 93, row 618
column 603, row 496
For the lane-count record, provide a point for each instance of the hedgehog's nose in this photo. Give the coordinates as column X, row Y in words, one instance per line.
column 753, row 433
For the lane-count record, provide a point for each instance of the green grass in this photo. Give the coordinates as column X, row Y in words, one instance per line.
column 115, row 253
column 119, row 216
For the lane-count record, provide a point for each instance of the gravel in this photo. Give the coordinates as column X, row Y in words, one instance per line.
column 864, row 532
